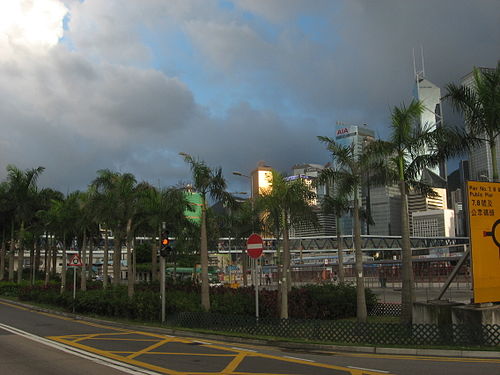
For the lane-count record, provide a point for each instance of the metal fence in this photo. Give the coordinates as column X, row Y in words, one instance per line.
column 344, row 332
column 385, row 309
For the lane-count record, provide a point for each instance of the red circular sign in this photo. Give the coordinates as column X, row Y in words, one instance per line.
column 254, row 246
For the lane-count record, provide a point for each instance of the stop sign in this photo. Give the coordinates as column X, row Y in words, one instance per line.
column 254, row 246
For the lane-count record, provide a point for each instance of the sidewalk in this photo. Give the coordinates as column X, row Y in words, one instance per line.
column 393, row 295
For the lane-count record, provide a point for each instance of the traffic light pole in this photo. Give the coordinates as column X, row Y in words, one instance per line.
column 162, row 279
column 162, row 287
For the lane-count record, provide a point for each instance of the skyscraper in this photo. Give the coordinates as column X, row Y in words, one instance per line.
column 326, row 222
column 358, row 136
column 430, row 96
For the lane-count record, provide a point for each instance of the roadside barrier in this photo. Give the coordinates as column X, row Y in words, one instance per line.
column 343, row 332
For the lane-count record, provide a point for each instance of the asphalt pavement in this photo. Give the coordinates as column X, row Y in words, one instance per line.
column 43, row 342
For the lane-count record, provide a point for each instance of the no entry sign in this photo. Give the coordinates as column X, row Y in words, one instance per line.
column 254, row 246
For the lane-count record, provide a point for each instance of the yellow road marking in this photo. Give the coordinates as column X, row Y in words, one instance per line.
column 66, row 340
column 151, row 347
column 15, row 306
column 193, row 354
column 231, row 367
column 415, row 358
column 117, row 357
column 110, row 339
column 85, row 337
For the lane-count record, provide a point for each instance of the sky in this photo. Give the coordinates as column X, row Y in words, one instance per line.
column 128, row 84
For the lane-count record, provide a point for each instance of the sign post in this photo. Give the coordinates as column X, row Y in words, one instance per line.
column 164, row 241
column 484, row 213
column 75, row 262
column 255, row 247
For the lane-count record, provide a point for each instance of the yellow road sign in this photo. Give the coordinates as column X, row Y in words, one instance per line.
column 484, row 218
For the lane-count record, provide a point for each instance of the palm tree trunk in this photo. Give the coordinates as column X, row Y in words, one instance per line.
column 134, row 258
column 286, row 269
column 155, row 249
column 32, row 263
column 83, row 274
column 130, row 265
column 105, row 262
column 64, row 264
column 117, row 255
column 91, row 258
column 361, row 312
column 494, row 164
column 37, row 258
column 46, row 260
column 20, row 255
column 11, row 254
column 54, row 256
column 2, row 256
column 205, row 288
column 340, row 252
column 408, row 292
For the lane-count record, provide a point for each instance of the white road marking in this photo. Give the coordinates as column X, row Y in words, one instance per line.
column 243, row 350
column 300, row 359
column 130, row 369
column 369, row 369
column 203, row 342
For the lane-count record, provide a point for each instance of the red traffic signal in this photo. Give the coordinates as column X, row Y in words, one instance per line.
column 164, row 244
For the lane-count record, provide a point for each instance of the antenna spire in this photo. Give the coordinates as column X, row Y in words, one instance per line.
column 422, row 55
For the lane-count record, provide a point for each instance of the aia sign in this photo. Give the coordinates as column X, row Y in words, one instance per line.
column 342, row 131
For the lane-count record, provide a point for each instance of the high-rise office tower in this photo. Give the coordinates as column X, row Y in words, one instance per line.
column 326, row 222
column 385, row 209
column 358, row 136
column 480, row 163
column 430, row 96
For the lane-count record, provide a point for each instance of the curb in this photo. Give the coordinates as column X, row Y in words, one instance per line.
column 275, row 343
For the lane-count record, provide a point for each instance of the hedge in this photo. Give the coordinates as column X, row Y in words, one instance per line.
column 310, row 302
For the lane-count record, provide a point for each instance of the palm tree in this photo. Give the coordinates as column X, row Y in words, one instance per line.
column 207, row 182
column 403, row 158
column 40, row 224
column 337, row 205
column 63, row 216
column 348, row 177
column 22, row 193
column 6, row 211
column 480, row 107
column 286, row 203
column 164, row 206
column 121, row 201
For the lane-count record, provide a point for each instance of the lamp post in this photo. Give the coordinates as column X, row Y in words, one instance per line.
column 244, row 257
column 229, row 237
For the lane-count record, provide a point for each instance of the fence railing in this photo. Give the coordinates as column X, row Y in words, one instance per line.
column 344, row 332
column 385, row 309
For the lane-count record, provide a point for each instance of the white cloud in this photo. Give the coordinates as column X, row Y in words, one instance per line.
column 100, row 100
column 30, row 23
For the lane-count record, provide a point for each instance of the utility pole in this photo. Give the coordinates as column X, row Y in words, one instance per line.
column 162, row 278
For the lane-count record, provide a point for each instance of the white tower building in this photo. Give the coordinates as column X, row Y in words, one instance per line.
column 430, row 96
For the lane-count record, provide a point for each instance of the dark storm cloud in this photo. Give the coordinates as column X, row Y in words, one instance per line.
column 101, row 104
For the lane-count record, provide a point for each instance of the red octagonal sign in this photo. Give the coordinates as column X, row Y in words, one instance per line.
column 254, row 246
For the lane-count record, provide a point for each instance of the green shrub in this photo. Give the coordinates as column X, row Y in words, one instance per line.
column 10, row 289
column 310, row 302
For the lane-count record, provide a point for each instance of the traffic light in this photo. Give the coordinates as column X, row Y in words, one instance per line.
column 165, row 249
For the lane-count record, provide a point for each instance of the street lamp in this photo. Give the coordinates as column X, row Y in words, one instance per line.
column 243, row 253
column 229, row 237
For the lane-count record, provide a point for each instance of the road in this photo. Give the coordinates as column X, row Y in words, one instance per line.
column 41, row 343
